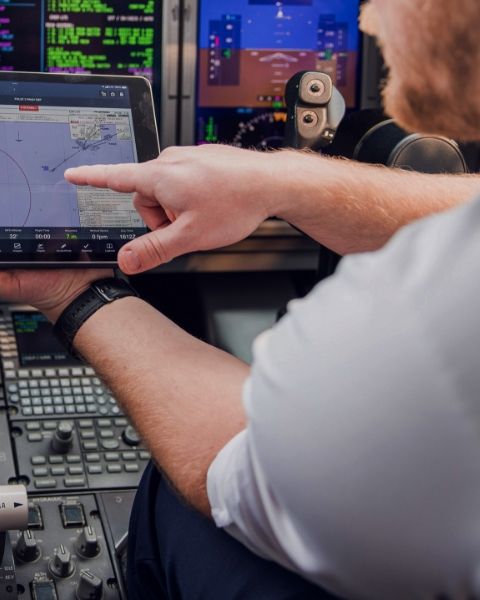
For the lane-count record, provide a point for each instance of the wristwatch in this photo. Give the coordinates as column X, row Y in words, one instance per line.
column 100, row 293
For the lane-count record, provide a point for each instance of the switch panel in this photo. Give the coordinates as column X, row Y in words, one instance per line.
column 87, row 454
column 56, row 568
column 64, row 437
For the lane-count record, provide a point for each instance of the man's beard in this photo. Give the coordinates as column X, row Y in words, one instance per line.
column 431, row 87
column 369, row 23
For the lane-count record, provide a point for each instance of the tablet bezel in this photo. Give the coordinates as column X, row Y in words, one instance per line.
column 147, row 147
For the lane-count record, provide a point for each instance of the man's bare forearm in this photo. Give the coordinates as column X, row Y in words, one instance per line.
column 182, row 395
column 211, row 196
column 352, row 207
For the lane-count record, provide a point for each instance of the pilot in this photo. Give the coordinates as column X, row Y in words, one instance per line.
column 346, row 460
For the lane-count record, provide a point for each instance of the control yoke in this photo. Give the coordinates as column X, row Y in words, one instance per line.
column 315, row 109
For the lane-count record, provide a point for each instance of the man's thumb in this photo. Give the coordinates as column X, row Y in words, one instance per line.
column 152, row 249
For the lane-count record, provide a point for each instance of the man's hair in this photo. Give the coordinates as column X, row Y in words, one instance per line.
column 432, row 49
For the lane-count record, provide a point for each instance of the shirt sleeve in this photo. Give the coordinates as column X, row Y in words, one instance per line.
column 359, row 468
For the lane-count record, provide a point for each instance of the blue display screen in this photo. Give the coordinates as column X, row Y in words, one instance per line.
column 249, row 49
column 267, row 24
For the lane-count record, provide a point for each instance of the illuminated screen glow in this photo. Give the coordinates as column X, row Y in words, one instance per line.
column 249, row 49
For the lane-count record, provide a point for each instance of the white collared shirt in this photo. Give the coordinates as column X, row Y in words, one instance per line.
column 360, row 465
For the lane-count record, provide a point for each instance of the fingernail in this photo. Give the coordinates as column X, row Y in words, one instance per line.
column 131, row 260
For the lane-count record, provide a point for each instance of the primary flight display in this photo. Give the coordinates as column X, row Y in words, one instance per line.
column 249, row 49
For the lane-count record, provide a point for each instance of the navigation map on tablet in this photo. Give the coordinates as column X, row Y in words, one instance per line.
column 45, row 128
column 39, row 142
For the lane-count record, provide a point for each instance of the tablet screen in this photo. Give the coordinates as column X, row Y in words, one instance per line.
column 46, row 128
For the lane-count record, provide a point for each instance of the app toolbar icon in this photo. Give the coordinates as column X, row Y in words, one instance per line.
column 17, row 246
column 40, row 247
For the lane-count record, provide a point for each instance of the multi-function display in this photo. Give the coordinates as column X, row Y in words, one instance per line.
column 81, row 36
column 37, row 344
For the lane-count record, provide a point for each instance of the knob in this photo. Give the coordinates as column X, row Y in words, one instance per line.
column 130, row 436
column 89, row 587
column 62, row 439
column 308, row 118
column 61, row 564
column 87, row 544
column 27, row 549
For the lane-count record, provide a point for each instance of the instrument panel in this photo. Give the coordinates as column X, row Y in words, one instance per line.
column 64, row 436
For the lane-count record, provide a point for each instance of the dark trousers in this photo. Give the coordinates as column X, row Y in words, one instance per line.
column 174, row 553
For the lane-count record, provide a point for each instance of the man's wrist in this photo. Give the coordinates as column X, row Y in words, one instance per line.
column 98, row 294
column 53, row 312
column 296, row 175
column 310, row 183
column 270, row 182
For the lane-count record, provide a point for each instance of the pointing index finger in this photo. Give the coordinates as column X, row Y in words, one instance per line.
column 120, row 177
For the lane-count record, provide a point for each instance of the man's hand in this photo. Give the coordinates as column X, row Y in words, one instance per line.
column 206, row 197
column 194, row 198
column 49, row 291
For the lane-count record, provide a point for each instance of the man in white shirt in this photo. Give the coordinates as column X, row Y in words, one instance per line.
column 349, row 453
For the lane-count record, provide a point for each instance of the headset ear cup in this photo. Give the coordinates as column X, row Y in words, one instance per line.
column 428, row 154
column 352, row 129
column 370, row 137
column 376, row 145
column 387, row 144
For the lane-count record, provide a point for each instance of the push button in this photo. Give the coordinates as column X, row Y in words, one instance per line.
column 35, row 519
column 44, row 590
column 72, row 514
column 44, row 484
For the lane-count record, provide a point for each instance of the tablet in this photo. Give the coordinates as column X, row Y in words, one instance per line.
column 51, row 122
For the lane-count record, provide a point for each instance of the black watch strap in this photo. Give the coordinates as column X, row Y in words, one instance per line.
column 100, row 293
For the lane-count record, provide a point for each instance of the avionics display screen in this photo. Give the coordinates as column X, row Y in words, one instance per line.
column 36, row 342
column 249, row 49
column 81, row 36
column 48, row 125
